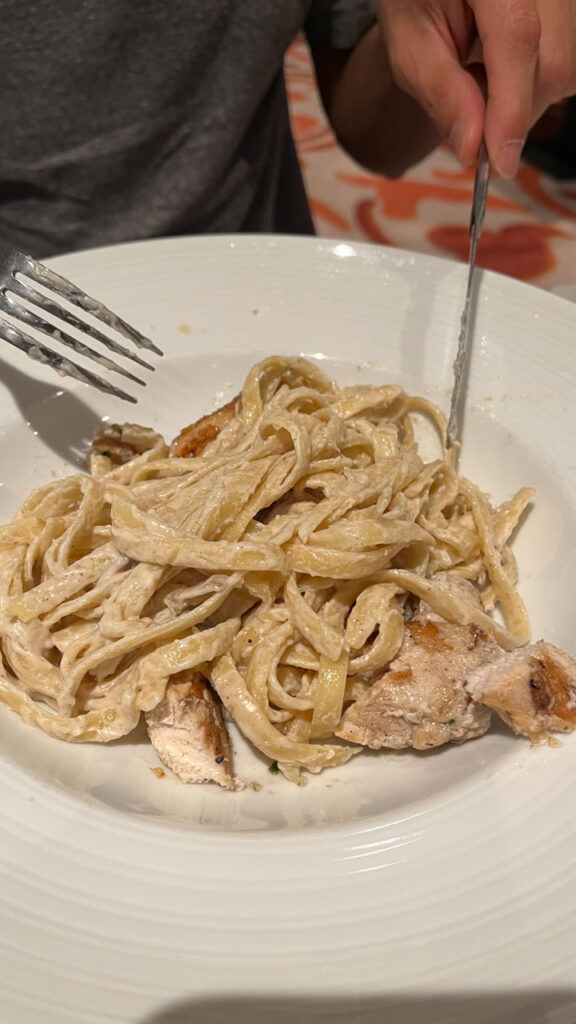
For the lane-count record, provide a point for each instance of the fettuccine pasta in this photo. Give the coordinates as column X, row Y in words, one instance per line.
column 279, row 563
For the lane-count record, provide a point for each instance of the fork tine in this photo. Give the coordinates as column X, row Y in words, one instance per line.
column 65, row 367
column 25, row 291
column 43, row 275
column 29, row 318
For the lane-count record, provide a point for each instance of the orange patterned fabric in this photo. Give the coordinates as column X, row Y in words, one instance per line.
column 530, row 226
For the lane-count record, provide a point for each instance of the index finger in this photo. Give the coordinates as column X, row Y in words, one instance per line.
column 510, row 34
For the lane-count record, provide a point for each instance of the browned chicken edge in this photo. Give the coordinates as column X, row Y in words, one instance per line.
column 192, row 440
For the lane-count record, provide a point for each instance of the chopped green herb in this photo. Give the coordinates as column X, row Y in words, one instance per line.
column 451, row 721
column 274, row 768
column 107, row 454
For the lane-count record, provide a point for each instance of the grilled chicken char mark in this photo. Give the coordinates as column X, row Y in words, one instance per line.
column 421, row 701
column 532, row 689
column 192, row 441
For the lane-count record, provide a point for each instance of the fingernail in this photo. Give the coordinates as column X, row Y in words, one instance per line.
column 509, row 158
column 458, row 136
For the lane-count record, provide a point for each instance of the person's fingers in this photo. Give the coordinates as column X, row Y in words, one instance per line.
column 528, row 48
column 510, row 32
column 556, row 74
column 425, row 62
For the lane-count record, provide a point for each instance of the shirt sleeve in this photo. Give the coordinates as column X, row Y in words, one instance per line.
column 339, row 23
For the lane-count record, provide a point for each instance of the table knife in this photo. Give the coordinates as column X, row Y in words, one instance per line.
column 462, row 353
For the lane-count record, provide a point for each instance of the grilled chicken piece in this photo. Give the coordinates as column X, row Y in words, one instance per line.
column 122, row 442
column 188, row 732
column 532, row 689
column 193, row 439
column 421, row 701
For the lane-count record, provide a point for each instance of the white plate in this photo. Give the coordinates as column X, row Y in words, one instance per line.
column 404, row 888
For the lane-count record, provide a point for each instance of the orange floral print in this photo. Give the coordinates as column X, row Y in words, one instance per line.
column 531, row 181
column 322, row 211
column 400, row 199
column 520, row 250
column 530, row 227
column 365, row 218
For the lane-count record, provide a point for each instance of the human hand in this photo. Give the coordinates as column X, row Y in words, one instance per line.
column 529, row 52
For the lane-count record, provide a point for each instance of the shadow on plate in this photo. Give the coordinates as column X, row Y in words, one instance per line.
column 61, row 420
column 538, row 1007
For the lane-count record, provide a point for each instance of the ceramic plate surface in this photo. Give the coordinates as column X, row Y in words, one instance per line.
column 437, row 887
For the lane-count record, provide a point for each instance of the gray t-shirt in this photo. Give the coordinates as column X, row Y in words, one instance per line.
column 125, row 119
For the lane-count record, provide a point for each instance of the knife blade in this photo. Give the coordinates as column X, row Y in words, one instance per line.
column 462, row 353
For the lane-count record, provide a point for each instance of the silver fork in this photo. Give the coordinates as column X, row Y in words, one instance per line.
column 19, row 277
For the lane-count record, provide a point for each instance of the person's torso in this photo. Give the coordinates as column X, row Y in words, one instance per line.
column 134, row 118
